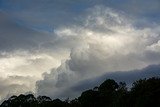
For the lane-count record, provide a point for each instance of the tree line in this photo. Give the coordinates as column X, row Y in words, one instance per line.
column 143, row 93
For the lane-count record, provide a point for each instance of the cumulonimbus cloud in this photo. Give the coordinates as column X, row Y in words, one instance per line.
column 83, row 45
column 108, row 41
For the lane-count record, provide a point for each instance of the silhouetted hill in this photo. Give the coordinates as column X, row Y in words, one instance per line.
column 143, row 93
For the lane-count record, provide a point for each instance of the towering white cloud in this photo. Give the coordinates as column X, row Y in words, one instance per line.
column 83, row 45
column 108, row 41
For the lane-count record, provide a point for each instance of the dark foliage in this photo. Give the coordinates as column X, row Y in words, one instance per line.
column 143, row 93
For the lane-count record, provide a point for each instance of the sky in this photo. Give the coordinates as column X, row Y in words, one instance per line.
column 60, row 48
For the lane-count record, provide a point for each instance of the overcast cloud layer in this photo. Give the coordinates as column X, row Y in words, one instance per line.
column 55, row 46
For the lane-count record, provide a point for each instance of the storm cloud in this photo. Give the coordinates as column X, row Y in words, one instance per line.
column 107, row 42
column 56, row 47
column 119, row 76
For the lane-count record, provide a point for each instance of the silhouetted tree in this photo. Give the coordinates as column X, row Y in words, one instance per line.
column 146, row 93
column 143, row 93
column 89, row 98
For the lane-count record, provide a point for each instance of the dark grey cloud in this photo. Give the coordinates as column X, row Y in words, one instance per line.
column 120, row 76
column 14, row 36
column 53, row 13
